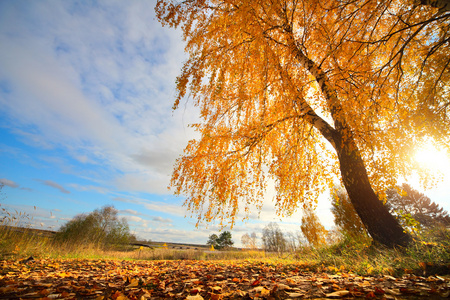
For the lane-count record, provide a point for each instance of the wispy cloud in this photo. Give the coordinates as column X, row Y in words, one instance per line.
column 129, row 212
column 12, row 184
column 161, row 220
column 85, row 188
column 8, row 182
column 55, row 185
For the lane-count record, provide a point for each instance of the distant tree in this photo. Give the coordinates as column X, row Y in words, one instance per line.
column 224, row 241
column 221, row 242
column 212, row 240
column 102, row 227
column 312, row 229
column 249, row 241
column 274, row 239
column 410, row 206
column 345, row 217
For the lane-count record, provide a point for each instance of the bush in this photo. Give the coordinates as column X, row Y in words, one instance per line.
column 101, row 227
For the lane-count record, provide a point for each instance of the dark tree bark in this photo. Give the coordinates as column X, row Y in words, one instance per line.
column 381, row 225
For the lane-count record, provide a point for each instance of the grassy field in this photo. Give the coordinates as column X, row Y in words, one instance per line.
column 421, row 258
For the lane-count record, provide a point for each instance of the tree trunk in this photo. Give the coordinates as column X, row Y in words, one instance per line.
column 380, row 224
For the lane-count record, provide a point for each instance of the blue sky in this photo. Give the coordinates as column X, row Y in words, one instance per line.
column 86, row 91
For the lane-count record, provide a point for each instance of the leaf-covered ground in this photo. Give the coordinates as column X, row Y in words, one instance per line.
column 112, row 279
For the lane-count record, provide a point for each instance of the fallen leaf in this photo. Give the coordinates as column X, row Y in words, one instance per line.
column 282, row 286
column 216, row 297
column 295, row 295
column 195, row 290
column 239, row 293
column 256, row 282
column 338, row 294
column 261, row 290
column 371, row 295
column 133, row 283
column 196, row 297
column 394, row 292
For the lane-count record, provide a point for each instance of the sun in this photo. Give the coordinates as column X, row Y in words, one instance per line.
column 433, row 159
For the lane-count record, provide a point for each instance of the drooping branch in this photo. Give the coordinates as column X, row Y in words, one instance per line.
column 442, row 5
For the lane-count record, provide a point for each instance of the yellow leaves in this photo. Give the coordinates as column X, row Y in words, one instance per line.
column 64, row 274
column 312, row 229
column 133, row 283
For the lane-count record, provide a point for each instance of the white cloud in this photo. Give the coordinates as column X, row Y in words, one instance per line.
column 176, row 210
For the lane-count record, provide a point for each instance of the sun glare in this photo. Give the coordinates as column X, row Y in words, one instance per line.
column 433, row 159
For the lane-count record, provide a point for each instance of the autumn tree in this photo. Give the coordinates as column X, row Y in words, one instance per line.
column 300, row 92
column 314, row 232
column 345, row 216
column 409, row 205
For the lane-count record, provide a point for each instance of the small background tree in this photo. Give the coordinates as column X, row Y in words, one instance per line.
column 273, row 239
column 249, row 241
column 414, row 210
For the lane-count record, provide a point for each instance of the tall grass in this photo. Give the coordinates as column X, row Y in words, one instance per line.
column 17, row 238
